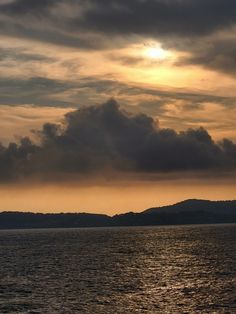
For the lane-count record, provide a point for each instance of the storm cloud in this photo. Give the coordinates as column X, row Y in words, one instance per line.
column 103, row 138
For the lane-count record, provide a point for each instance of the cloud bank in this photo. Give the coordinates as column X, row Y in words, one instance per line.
column 96, row 140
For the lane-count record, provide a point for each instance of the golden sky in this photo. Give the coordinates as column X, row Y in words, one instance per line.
column 110, row 199
column 174, row 62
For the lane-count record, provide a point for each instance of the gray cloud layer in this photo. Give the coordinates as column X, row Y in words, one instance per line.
column 193, row 26
column 194, row 17
column 97, row 138
column 219, row 54
column 38, row 90
column 160, row 17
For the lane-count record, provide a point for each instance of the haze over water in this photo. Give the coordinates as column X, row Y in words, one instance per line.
column 178, row 269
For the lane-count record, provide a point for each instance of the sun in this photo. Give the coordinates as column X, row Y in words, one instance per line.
column 156, row 53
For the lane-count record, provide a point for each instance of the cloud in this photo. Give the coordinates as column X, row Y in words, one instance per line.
column 27, row 6
column 147, row 17
column 133, row 16
column 181, row 25
column 39, row 90
column 102, row 138
column 45, row 21
column 22, row 56
column 34, row 90
column 217, row 54
column 175, row 108
column 160, row 17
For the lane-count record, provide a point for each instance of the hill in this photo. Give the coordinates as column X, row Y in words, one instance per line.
column 186, row 212
column 217, row 207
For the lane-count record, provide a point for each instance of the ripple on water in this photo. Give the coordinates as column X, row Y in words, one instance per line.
column 183, row 269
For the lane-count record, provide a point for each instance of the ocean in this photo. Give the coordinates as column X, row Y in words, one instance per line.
column 170, row 269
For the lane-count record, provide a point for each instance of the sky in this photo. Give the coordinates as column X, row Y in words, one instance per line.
column 116, row 105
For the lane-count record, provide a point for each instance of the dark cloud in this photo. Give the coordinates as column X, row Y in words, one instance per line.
column 39, row 91
column 99, row 85
column 182, row 25
column 27, row 6
column 160, row 17
column 22, row 56
column 147, row 17
column 50, row 34
column 36, row 20
column 97, row 139
column 156, row 17
column 35, row 90
column 219, row 55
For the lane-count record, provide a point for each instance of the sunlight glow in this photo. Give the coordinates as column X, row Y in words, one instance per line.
column 156, row 53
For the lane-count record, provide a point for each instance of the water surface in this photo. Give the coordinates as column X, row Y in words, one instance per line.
column 179, row 269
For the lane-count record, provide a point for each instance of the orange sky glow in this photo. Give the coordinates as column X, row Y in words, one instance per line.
column 168, row 80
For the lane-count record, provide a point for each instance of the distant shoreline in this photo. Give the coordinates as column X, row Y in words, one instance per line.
column 188, row 212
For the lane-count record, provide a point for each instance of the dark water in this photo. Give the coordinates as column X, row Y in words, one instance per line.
column 184, row 269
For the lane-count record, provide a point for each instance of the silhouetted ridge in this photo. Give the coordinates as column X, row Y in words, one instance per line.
column 186, row 212
column 62, row 220
column 195, row 205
